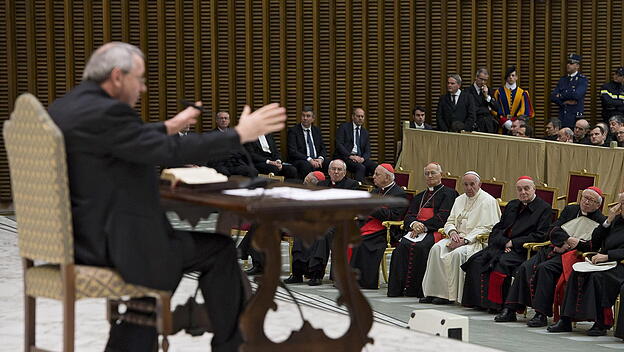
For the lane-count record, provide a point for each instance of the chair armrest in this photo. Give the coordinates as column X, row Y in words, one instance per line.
column 441, row 232
column 587, row 254
column 562, row 197
column 533, row 246
column 391, row 223
column 483, row 237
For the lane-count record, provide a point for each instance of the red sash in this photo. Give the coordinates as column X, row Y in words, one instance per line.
column 372, row 225
column 425, row 214
column 568, row 259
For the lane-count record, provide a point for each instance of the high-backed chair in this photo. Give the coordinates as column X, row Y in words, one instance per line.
column 495, row 188
column 402, row 177
column 450, row 181
column 549, row 195
column 36, row 153
column 578, row 181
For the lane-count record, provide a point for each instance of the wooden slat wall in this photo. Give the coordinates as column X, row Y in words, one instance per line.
column 382, row 55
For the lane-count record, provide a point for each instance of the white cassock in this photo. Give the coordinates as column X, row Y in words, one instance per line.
column 470, row 217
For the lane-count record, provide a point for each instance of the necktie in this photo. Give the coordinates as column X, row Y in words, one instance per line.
column 453, row 97
column 311, row 151
column 357, row 141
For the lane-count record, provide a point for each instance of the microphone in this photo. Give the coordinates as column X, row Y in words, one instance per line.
column 187, row 103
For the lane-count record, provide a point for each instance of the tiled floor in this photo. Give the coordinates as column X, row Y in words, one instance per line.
column 391, row 315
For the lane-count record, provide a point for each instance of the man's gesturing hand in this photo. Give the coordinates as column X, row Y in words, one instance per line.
column 267, row 119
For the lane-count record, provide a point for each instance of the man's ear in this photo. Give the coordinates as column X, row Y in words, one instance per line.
column 116, row 77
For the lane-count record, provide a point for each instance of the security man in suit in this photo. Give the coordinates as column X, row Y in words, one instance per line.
column 306, row 148
column 570, row 92
column 353, row 146
column 456, row 109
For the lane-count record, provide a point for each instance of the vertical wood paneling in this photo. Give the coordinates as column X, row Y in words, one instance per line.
column 382, row 55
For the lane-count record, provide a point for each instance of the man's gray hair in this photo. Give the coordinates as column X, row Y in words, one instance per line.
column 568, row 132
column 339, row 161
column 109, row 56
column 436, row 164
column 456, row 77
column 482, row 70
column 617, row 118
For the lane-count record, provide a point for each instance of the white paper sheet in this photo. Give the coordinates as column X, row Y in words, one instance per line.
column 418, row 238
column 299, row 193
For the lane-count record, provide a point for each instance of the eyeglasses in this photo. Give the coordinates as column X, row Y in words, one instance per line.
column 589, row 200
column 431, row 173
column 336, row 169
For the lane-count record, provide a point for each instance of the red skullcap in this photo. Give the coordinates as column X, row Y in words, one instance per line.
column 319, row 175
column 388, row 167
column 524, row 178
column 597, row 190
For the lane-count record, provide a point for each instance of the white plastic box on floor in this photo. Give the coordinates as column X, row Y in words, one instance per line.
column 439, row 323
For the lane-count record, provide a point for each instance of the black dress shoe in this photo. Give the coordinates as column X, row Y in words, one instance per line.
column 597, row 330
column 315, row 282
column 538, row 320
column 438, row 300
column 427, row 299
column 506, row 316
column 563, row 325
column 294, row 279
column 255, row 270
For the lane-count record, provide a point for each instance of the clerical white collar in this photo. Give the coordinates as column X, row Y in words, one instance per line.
column 388, row 186
column 574, row 74
column 434, row 187
column 511, row 86
column 584, row 213
column 532, row 199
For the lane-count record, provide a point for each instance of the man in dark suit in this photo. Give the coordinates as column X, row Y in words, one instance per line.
column 484, row 103
column 117, row 218
column 266, row 157
column 367, row 256
column 418, row 118
column 456, row 110
column 235, row 162
column 306, row 149
column 353, row 146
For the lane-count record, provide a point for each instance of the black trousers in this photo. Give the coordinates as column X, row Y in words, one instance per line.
column 288, row 171
column 360, row 171
column 304, row 167
column 214, row 257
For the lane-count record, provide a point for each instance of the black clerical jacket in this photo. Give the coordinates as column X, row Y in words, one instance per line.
column 298, row 147
column 485, row 121
column 442, row 202
column 377, row 239
column 521, row 224
column 558, row 235
column 607, row 240
column 345, row 183
column 111, row 162
column 344, row 141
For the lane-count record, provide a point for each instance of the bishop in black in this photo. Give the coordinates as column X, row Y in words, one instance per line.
column 428, row 212
column 367, row 256
column 589, row 296
column 535, row 280
column 489, row 271
column 311, row 261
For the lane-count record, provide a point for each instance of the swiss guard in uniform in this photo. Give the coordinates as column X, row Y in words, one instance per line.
column 570, row 92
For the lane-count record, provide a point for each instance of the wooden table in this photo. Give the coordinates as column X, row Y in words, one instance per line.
column 309, row 220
